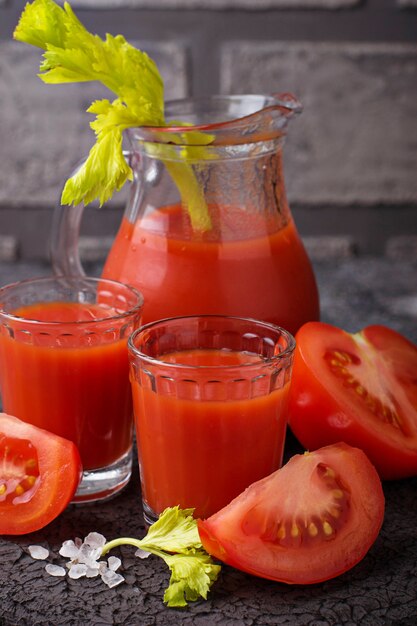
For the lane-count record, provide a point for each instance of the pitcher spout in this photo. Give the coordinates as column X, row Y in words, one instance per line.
column 222, row 120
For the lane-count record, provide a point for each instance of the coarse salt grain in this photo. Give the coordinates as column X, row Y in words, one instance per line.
column 142, row 554
column 83, row 560
column 78, row 570
column 111, row 579
column 69, row 550
column 87, row 554
column 38, row 552
column 55, row 570
column 114, row 563
column 92, row 572
column 95, row 540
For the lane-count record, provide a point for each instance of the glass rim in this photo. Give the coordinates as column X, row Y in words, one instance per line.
column 284, row 104
column 280, row 356
column 76, row 323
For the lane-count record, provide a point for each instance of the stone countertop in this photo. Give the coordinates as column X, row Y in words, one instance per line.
column 380, row 590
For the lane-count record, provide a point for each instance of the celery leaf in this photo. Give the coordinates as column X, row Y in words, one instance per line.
column 73, row 54
column 174, row 538
column 174, row 531
column 191, row 577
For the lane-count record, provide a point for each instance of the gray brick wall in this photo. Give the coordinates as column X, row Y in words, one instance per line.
column 357, row 137
column 8, row 248
column 401, row 248
column 248, row 5
column 350, row 158
column 44, row 128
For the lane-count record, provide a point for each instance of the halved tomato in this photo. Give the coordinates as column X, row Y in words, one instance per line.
column 311, row 520
column 39, row 474
column 359, row 388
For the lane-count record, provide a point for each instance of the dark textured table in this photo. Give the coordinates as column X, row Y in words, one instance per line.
column 381, row 590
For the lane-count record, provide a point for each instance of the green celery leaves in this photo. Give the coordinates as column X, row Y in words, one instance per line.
column 72, row 54
column 174, row 538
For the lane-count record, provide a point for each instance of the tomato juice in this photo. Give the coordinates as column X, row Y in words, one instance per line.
column 208, row 429
column 243, row 266
column 69, row 378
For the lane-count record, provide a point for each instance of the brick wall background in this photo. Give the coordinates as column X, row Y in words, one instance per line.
column 350, row 159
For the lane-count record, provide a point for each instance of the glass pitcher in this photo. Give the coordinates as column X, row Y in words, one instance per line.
column 207, row 228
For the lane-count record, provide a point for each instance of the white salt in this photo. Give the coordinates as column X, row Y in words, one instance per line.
column 55, row 570
column 78, row 570
column 84, row 559
column 112, row 579
column 92, row 572
column 114, row 563
column 88, row 555
column 38, row 552
column 142, row 554
column 95, row 540
column 93, row 565
column 69, row 550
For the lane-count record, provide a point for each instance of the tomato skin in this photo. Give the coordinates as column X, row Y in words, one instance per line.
column 58, row 470
column 323, row 410
column 244, row 533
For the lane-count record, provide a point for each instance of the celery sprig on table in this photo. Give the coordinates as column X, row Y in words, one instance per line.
column 174, row 538
column 73, row 54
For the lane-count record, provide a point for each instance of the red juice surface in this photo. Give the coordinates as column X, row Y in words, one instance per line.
column 267, row 276
column 73, row 384
column 198, row 452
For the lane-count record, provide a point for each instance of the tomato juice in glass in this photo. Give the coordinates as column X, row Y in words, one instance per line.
column 64, row 368
column 253, row 268
column 210, row 403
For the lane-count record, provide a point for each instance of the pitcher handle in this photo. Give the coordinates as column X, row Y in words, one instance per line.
column 65, row 233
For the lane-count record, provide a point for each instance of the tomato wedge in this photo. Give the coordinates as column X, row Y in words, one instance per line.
column 311, row 520
column 359, row 388
column 39, row 474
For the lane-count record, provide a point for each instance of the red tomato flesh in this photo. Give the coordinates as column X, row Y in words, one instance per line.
column 39, row 474
column 311, row 520
column 359, row 388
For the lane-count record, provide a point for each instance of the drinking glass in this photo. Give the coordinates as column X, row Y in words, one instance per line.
column 210, row 404
column 64, row 367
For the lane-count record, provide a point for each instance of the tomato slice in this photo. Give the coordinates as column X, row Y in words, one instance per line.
column 359, row 388
column 39, row 474
column 311, row 520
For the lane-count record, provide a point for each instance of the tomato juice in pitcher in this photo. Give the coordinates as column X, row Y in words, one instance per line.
column 207, row 228
column 266, row 276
